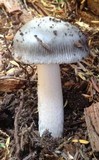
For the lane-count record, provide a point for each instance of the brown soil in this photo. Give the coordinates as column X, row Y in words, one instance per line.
column 18, row 107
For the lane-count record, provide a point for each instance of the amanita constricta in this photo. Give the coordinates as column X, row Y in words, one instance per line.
column 48, row 42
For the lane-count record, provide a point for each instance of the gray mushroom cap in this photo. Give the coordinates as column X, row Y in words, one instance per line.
column 49, row 40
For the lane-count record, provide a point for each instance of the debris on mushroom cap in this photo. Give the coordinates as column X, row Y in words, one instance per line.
column 49, row 40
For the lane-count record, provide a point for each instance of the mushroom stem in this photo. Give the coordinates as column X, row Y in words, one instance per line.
column 50, row 100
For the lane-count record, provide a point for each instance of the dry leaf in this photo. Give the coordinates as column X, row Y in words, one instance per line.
column 82, row 141
column 14, row 63
column 10, row 5
column 81, row 75
column 14, row 71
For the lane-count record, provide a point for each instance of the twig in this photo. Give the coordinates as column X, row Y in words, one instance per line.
column 95, row 86
column 28, row 157
column 43, row 44
column 10, row 54
column 25, row 4
column 16, row 137
column 3, row 134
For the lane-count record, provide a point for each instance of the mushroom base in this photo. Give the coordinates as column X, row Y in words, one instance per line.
column 50, row 100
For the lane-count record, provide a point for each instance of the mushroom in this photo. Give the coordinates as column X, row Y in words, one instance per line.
column 48, row 42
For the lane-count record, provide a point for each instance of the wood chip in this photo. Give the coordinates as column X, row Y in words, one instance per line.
column 92, row 121
column 10, row 85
